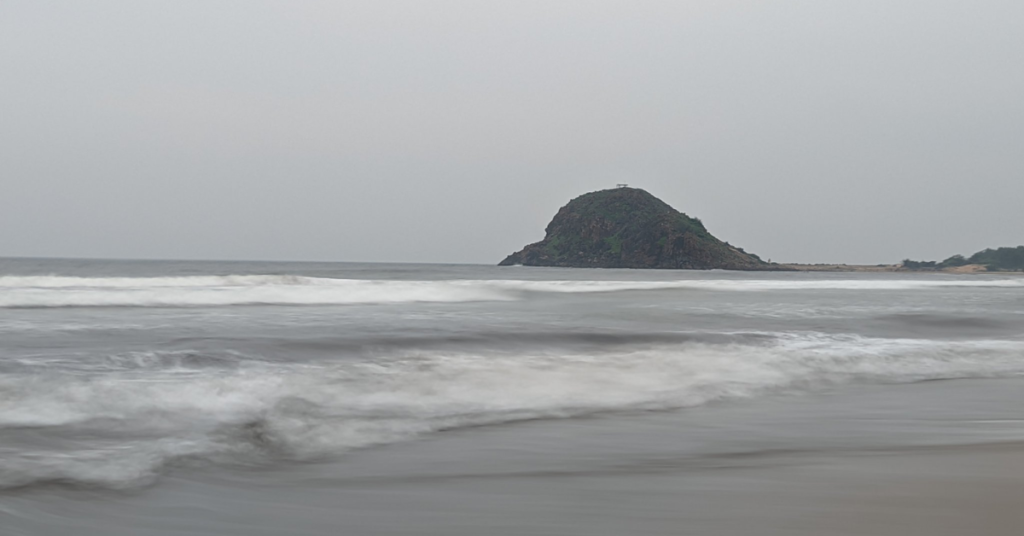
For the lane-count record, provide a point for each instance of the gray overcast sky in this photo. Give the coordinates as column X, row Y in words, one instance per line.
column 855, row 131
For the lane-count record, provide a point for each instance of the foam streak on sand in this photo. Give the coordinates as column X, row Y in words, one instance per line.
column 59, row 291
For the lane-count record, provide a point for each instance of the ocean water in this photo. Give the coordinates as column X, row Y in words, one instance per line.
column 145, row 397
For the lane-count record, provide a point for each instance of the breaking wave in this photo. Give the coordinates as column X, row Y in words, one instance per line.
column 122, row 426
column 59, row 291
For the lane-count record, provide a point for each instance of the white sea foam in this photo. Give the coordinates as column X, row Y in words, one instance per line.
column 59, row 291
column 52, row 291
column 299, row 411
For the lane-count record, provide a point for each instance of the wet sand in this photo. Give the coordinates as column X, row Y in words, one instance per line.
column 955, row 491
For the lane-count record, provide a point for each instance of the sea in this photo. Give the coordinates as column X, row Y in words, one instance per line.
column 280, row 398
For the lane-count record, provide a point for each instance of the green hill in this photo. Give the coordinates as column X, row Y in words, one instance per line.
column 994, row 260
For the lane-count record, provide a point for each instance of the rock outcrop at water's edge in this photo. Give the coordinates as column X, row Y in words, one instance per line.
column 630, row 228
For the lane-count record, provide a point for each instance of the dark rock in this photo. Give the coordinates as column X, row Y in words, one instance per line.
column 630, row 228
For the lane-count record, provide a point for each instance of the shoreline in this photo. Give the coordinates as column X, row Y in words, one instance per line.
column 889, row 268
column 825, row 464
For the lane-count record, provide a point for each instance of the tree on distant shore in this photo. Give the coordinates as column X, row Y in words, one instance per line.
column 1000, row 259
column 995, row 260
column 919, row 265
column 955, row 260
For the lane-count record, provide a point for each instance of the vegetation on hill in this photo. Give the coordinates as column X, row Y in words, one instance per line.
column 995, row 260
column 630, row 228
column 1000, row 259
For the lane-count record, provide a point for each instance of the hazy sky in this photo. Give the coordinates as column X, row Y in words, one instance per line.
column 855, row 131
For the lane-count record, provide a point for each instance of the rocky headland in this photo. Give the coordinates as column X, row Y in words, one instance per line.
column 630, row 228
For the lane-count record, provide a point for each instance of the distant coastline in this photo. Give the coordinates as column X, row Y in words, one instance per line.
column 628, row 227
column 892, row 268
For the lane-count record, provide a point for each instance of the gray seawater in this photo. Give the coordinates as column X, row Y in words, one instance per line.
column 249, row 398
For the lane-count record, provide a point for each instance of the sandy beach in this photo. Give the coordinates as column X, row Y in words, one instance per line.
column 938, row 491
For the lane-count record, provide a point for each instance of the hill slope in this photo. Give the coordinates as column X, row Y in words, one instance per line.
column 1006, row 259
column 630, row 228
